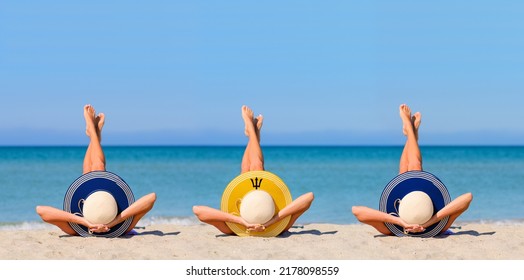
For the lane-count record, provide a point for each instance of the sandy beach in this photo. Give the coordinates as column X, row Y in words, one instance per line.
column 303, row 242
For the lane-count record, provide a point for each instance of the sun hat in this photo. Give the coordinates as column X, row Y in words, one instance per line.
column 408, row 196
column 415, row 207
column 95, row 196
column 250, row 195
column 100, row 207
column 257, row 207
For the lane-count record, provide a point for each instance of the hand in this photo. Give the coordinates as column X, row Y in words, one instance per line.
column 255, row 228
column 99, row 228
column 413, row 228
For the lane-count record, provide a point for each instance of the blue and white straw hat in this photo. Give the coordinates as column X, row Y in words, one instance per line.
column 415, row 196
column 99, row 196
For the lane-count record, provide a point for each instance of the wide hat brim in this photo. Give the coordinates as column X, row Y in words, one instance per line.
column 253, row 180
column 410, row 181
column 94, row 181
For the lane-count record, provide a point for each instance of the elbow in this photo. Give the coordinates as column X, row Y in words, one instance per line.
column 41, row 211
column 355, row 210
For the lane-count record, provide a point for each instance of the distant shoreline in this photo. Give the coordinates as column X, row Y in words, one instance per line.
column 192, row 221
column 269, row 146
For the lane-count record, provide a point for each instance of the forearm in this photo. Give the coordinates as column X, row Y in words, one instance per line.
column 369, row 215
column 454, row 208
column 50, row 214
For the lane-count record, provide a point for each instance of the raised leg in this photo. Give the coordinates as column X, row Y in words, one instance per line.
column 253, row 159
column 411, row 158
column 94, row 159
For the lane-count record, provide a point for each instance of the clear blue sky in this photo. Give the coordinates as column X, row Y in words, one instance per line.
column 323, row 72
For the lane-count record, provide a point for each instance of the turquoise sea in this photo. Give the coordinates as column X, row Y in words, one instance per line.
column 340, row 177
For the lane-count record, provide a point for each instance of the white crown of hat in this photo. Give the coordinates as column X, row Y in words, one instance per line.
column 100, row 208
column 257, row 207
column 416, row 207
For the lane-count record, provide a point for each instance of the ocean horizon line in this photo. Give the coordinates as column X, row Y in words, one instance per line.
column 263, row 145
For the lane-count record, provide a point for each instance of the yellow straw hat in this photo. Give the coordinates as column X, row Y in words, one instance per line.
column 245, row 184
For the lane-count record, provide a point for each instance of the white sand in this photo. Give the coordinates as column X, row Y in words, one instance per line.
column 308, row 242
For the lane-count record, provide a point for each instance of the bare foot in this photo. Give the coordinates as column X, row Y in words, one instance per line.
column 258, row 121
column 100, row 121
column 405, row 116
column 247, row 115
column 89, row 115
column 416, row 119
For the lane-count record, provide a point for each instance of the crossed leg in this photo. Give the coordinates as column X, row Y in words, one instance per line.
column 411, row 160
column 94, row 160
column 252, row 160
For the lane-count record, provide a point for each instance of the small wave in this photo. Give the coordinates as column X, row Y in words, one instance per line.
column 180, row 221
column 33, row 225
column 25, row 226
column 501, row 222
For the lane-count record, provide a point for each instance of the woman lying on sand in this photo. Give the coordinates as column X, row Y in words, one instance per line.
column 411, row 160
column 94, row 160
column 253, row 160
